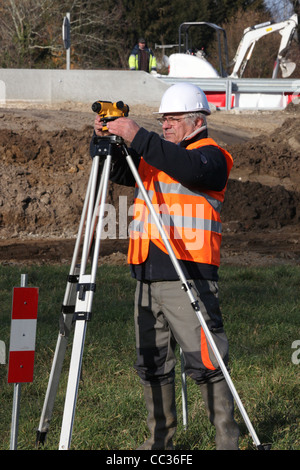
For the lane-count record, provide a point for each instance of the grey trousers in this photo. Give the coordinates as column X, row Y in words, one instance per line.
column 165, row 317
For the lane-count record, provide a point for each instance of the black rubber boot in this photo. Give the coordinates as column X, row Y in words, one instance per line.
column 220, row 407
column 161, row 421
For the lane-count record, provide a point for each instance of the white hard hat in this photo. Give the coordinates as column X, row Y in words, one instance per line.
column 184, row 98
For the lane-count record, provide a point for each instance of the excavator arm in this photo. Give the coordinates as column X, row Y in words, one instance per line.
column 253, row 34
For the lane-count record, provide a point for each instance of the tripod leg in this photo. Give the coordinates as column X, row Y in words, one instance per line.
column 59, row 355
column 68, row 308
column 73, row 383
column 83, row 311
column 184, row 393
column 194, row 302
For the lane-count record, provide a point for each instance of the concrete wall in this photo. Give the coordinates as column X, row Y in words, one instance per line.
column 85, row 86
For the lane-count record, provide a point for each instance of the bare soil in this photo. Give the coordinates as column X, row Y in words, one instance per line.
column 46, row 165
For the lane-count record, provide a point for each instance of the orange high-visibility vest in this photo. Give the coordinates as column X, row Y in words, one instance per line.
column 191, row 218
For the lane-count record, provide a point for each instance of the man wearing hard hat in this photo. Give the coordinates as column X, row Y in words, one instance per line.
column 185, row 174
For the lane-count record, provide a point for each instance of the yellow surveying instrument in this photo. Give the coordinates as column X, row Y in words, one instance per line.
column 110, row 111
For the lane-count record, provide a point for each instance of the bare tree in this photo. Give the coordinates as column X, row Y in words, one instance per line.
column 98, row 34
column 31, row 33
column 101, row 34
column 28, row 32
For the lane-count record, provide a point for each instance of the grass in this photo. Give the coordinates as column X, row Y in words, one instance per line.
column 261, row 314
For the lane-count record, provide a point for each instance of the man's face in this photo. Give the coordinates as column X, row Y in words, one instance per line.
column 176, row 127
column 142, row 45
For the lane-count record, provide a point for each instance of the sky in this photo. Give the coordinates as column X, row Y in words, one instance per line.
column 281, row 9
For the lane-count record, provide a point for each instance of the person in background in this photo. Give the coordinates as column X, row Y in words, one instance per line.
column 142, row 58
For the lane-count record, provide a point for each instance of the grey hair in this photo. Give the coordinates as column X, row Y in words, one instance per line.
column 195, row 116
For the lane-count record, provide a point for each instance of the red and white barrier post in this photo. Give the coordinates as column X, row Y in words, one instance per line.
column 22, row 345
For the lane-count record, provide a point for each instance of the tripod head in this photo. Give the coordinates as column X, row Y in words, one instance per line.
column 110, row 111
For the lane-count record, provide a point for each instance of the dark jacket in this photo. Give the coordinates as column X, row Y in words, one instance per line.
column 142, row 59
column 198, row 168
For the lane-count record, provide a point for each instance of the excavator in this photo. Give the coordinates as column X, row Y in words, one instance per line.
column 193, row 64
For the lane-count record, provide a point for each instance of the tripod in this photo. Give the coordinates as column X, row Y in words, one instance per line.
column 77, row 304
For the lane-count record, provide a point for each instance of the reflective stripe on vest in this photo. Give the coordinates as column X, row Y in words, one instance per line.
column 176, row 188
column 191, row 218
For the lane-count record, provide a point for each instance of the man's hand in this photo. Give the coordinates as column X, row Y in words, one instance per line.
column 98, row 124
column 123, row 127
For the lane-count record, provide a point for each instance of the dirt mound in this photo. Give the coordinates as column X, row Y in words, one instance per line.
column 274, row 200
column 253, row 206
column 275, row 155
column 46, row 165
column 44, row 178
